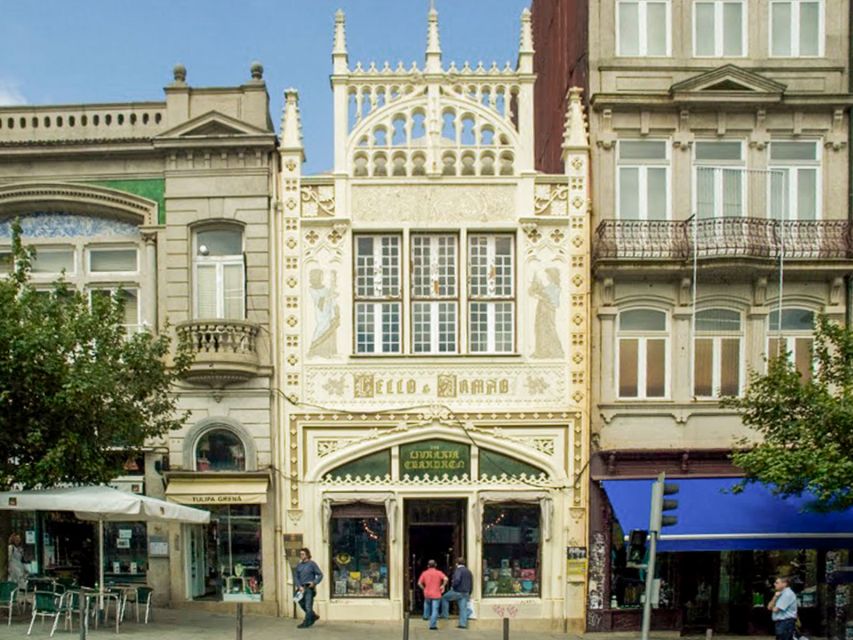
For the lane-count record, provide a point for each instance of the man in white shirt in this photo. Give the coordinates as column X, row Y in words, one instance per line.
column 783, row 608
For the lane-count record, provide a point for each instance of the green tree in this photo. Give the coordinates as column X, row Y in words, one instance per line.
column 78, row 395
column 804, row 427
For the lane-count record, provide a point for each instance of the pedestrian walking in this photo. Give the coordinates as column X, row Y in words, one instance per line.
column 461, row 585
column 306, row 577
column 783, row 609
column 432, row 582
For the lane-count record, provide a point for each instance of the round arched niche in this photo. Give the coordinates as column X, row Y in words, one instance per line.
column 221, row 438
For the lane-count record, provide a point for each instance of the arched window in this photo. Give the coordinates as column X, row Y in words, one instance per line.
column 220, row 450
column 793, row 335
column 219, row 273
column 643, row 354
column 717, row 353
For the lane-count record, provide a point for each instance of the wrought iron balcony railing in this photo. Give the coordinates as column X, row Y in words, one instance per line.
column 732, row 237
column 225, row 351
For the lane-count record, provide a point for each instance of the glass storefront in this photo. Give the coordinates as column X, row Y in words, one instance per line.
column 511, row 550
column 125, row 551
column 359, row 551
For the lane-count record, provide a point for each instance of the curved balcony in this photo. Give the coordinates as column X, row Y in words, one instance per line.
column 225, row 351
column 720, row 238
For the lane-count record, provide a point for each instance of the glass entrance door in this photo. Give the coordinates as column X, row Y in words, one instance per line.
column 435, row 530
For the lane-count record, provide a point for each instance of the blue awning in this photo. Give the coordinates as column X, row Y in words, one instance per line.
column 711, row 518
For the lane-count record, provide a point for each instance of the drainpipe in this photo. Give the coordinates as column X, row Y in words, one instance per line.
column 849, row 277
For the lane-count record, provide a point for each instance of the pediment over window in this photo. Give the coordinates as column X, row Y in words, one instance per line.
column 213, row 124
column 729, row 83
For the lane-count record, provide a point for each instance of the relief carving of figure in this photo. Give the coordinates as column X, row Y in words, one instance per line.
column 548, row 343
column 327, row 317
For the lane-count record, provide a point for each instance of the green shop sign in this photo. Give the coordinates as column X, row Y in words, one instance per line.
column 434, row 458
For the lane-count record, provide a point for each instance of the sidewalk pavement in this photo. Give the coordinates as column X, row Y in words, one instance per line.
column 182, row 624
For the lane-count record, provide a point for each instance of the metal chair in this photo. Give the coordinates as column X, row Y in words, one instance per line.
column 143, row 597
column 8, row 595
column 71, row 606
column 47, row 605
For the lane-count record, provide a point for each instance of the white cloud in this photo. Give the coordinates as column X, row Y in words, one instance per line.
column 10, row 95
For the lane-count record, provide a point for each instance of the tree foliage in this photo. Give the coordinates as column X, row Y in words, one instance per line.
column 77, row 394
column 805, row 427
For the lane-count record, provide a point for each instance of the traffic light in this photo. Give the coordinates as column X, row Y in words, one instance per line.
column 637, row 548
column 660, row 504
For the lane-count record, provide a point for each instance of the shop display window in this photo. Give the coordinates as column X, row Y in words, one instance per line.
column 25, row 524
column 125, row 550
column 234, row 551
column 511, row 550
column 359, row 548
column 220, row 450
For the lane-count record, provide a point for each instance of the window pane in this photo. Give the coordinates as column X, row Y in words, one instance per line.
column 781, row 36
column 130, row 300
column 364, row 328
column 511, row 539
column 504, row 326
column 809, row 28
column 642, row 320
column 730, row 367
column 364, row 267
column 717, row 320
column 112, row 260
column 422, row 327
column 656, row 28
column 360, row 554
column 6, row 262
column 803, row 357
column 657, row 193
column 718, row 150
column 53, row 261
column 775, row 347
column 655, row 368
column 732, row 192
column 642, row 150
column 732, row 29
column 629, row 29
column 779, row 194
column 503, row 266
column 704, row 28
column 447, row 327
column 206, row 291
column 703, row 368
column 220, row 242
column 232, row 279
column 806, row 194
column 478, row 327
column 793, row 151
column 220, row 450
column 391, row 327
column 792, row 320
column 629, row 193
column 705, row 196
column 628, row 350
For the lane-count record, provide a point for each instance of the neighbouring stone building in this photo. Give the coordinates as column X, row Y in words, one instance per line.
column 171, row 201
column 434, row 319
column 720, row 133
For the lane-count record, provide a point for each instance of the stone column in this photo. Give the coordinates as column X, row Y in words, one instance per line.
column 149, row 280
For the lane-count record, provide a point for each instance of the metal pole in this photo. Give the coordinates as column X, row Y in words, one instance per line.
column 506, row 629
column 650, row 576
column 239, row 621
column 84, row 615
column 406, row 626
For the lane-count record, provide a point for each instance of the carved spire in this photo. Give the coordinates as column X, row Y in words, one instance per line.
column 340, row 59
column 575, row 133
column 433, row 50
column 291, row 123
column 525, row 43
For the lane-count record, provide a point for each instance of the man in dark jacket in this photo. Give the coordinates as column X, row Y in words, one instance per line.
column 306, row 577
column 461, row 585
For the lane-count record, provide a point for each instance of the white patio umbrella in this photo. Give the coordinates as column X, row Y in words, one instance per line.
column 101, row 504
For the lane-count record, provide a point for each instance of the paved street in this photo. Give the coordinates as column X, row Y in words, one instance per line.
column 171, row 624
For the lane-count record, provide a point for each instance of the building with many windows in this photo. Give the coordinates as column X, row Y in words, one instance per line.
column 434, row 295
column 168, row 202
column 720, row 138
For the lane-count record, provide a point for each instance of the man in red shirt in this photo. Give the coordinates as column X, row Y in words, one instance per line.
column 432, row 582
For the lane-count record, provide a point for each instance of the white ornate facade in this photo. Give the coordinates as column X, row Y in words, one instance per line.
column 435, row 300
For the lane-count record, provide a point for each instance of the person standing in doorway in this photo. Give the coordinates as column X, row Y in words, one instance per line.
column 306, row 577
column 783, row 609
column 17, row 571
column 432, row 582
column 461, row 586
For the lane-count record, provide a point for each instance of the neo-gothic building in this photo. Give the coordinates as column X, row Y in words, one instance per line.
column 433, row 338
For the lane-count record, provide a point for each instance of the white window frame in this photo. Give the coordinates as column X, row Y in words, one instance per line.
column 376, row 305
column 642, row 338
column 720, row 165
column 435, row 302
column 644, row 166
column 95, row 247
column 42, row 249
column 795, row 28
column 791, row 168
column 493, row 300
column 719, row 33
column 717, row 338
column 112, row 289
column 643, row 30
column 219, row 263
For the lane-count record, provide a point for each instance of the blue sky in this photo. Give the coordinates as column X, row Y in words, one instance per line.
column 67, row 52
